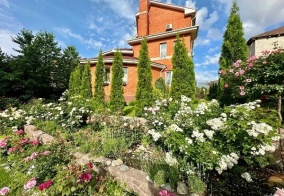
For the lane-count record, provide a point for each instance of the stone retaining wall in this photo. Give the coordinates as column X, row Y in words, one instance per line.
column 133, row 179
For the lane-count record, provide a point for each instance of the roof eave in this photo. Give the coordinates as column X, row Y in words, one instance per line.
column 193, row 30
column 125, row 61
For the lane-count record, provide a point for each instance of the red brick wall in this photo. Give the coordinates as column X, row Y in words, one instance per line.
column 130, row 88
column 159, row 17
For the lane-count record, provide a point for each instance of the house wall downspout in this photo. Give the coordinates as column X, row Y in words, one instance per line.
column 162, row 71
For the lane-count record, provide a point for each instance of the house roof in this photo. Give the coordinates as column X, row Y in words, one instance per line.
column 193, row 30
column 187, row 11
column 126, row 60
column 273, row 33
column 124, row 51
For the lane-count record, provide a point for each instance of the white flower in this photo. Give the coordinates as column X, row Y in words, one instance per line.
column 215, row 123
column 155, row 135
column 170, row 160
column 246, row 176
column 209, row 133
column 188, row 140
column 199, row 136
column 175, row 128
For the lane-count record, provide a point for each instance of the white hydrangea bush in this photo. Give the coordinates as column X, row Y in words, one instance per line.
column 206, row 134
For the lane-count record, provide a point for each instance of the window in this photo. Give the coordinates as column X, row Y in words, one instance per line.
column 163, row 50
column 168, row 78
column 125, row 75
column 107, row 75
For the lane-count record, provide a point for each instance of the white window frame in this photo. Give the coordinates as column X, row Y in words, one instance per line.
column 163, row 54
column 107, row 75
column 125, row 75
column 168, row 79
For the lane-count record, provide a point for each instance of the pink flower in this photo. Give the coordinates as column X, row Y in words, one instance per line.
column 264, row 62
column 236, row 65
column 279, row 192
column 46, row 152
column 3, row 143
column 237, row 74
column 35, row 142
column 252, row 58
column 242, row 93
column 265, row 52
column 30, row 184
column 45, row 185
column 242, row 87
column 34, row 155
column 222, row 72
column 27, row 159
column 166, row 193
column 21, row 131
column 226, row 85
column 242, row 72
column 248, row 80
column 90, row 165
column 250, row 64
column 231, row 70
column 4, row 191
column 86, row 177
column 12, row 149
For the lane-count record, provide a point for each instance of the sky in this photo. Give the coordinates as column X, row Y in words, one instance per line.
column 91, row 25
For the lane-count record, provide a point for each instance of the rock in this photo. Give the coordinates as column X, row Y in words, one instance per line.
column 117, row 162
column 148, row 178
column 108, row 163
column 182, row 189
column 123, row 168
column 193, row 194
column 167, row 186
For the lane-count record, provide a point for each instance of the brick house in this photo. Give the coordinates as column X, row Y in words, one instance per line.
column 159, row 23
column 265, row 41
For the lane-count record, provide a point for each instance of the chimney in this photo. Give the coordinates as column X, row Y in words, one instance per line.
column 143, row 18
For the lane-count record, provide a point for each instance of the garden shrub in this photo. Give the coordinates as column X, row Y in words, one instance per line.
column 190, row 133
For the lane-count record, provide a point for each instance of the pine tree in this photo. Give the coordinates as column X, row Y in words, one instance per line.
column 144, row 93
column 183, row 81
column 86, row 86
column 74, row 87
column 99, row 91
column 234, row 48
column 117, row 100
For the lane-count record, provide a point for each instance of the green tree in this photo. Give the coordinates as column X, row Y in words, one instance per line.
column 35, row 69
column 99, row 91
column 144, row 92
column 86, row 85
column 5, row 75
column 117, row 100
column 183, row 81
column 67, row 63
column 233, row 48
column 75, row 82
column 161, row 86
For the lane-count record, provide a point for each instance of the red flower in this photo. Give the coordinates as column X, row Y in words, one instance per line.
column 90, row 165
column 35, row 142
column 86, row 177
column 45, row 185
column 21, row 131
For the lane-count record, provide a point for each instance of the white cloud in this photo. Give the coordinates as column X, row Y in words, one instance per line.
column 213, row 49
column 256, row 16
column 214, row 34
column 125, row 9
column 190, row 4
column 205, row 76
column 169, row 1
column 90, row 43
column 204, row 21
column 210, row 60
column 123, row 42
column 6, row 43
column 201, row 41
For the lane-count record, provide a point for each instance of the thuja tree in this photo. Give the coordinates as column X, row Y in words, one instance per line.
column 117, row 100
column 144, row 92
column 233, row 48
column 161, row 86
column 86, row 86
column 183, row 81
column 74, row 87
column 99, row 91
